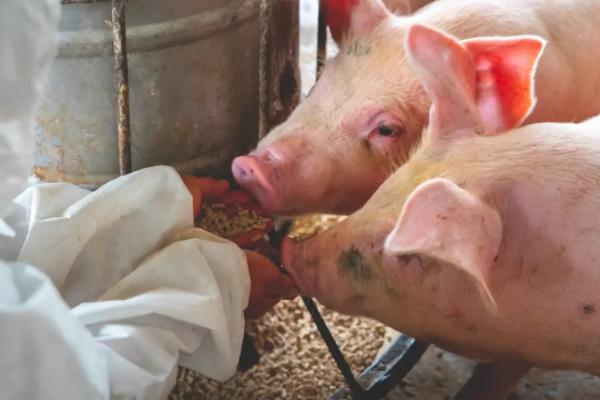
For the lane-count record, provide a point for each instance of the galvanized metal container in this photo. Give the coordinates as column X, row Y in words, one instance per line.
column 193, row 72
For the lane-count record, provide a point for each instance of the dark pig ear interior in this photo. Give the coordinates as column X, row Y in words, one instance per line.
column 505, row 69
column 442, row 221
column 447, row 73
column 354, row 18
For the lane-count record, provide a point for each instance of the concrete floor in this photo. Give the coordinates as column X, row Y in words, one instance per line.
column 439, row 374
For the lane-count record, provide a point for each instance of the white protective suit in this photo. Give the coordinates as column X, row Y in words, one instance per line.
column 102, row 294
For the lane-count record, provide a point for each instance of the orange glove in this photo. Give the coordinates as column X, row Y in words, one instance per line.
column 268, row 285
column 218, row 190
column 209, row 188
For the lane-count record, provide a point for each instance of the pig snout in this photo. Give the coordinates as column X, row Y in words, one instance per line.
column 256, row 173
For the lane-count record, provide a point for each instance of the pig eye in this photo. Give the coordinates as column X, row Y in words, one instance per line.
column 385, row 130
column 388, row 130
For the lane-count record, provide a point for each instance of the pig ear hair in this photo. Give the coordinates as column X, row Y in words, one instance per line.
column 353, row 17
column 444, row 222
column 447, row 73
column 505, row 69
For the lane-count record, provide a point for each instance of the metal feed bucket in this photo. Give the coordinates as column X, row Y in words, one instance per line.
column 193, row 84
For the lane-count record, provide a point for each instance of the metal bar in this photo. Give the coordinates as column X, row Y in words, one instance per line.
column 321, row 39
column 122, row 85
column 266, row 8
column 392, row 367
column 387, row 371
column 337, row 355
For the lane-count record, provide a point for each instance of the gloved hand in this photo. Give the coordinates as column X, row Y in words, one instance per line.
column 218, row 191
column 268, row 285
column 201, row 187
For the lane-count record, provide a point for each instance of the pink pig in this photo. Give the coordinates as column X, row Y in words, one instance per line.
column 368, row 109
column 485, row 241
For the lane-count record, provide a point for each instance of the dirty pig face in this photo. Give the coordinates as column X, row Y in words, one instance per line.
column 337, row 267
column 347, row 269
column 357, row 124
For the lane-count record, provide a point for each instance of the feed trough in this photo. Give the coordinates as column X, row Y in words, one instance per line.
column 70, row 148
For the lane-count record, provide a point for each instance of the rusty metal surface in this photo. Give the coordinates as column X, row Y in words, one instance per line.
column 122, row 85
column 193, row 83
column 279, row 76
column 266, row 11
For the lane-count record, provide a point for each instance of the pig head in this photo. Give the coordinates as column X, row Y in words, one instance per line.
column 361, row 120
column 340, row 144
column 422, row 238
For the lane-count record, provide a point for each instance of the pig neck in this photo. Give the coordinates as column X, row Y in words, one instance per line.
column 543, row 180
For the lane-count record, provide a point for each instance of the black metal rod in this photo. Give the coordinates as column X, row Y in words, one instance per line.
column 122, row 85
column 337, row 355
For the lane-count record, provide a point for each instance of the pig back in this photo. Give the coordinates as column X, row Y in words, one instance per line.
column 544, row 180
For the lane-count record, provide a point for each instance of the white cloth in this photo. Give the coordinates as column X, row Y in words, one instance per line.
column 27, row 46
column 140, row 278
column 143, row 284
column 112, row 289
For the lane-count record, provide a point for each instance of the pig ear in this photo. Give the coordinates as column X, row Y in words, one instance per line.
column 353, row 17
column 482, row 85
column 505, row 68
column 447, row 74
column 444, row 222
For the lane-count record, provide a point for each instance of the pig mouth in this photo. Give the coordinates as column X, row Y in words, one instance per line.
column 302, row 279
